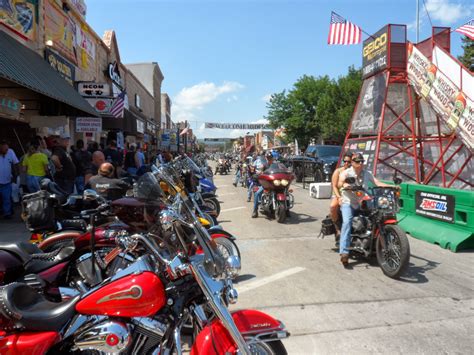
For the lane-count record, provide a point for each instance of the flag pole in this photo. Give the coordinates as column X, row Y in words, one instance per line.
column 417, row 21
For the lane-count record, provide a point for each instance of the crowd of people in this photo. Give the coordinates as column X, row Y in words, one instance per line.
column 72, row 167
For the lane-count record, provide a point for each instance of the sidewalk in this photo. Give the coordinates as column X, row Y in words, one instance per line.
column 13, row 229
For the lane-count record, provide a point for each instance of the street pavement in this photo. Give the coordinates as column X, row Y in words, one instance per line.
column 290, row 273
column 296, row 277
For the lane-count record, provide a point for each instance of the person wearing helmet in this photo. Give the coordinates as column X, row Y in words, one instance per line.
column 262, row 165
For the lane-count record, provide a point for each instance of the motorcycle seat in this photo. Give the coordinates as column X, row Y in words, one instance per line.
column 31, row 311
column 22, row 250
column 43, row 261
column 74, row 224
column 34, row 259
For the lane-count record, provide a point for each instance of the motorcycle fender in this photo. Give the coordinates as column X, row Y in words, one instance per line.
column 214, row 339
column 28, row 343
column 390, row 221
column 216, row 232
column 281, row 196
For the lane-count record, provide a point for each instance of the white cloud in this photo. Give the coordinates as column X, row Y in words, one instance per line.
column 446, row 12
column 232, row 98
column 196, row 97
column 267, row 97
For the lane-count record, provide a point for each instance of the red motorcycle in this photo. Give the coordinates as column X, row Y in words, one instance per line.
column 142, row 308
column 277, row 198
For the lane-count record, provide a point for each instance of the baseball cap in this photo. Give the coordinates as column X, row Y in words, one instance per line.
column 358, row 157
column 65, row 135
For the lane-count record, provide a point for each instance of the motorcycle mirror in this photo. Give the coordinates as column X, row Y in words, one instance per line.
column 90, row 195
column 397, row 180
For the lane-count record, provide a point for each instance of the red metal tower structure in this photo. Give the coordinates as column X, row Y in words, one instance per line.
column 397, row 128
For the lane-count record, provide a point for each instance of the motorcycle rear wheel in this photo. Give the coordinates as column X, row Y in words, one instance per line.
column 394, row 259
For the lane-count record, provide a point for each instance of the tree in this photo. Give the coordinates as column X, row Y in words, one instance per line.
column 467, row 58
column 316, row 108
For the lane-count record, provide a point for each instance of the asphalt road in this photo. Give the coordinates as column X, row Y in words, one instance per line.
column 291, row 274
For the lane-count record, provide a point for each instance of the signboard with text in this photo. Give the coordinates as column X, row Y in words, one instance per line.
column 61, row 65
column 94, row 89
column 434, row 205
column 375, row 53
column 88, row 124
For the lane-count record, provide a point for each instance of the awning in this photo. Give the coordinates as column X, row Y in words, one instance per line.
column 26, row 68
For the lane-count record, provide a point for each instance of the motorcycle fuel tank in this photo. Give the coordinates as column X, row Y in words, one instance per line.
column 137, row 295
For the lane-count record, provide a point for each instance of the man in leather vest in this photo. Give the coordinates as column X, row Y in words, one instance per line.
column 107, row 186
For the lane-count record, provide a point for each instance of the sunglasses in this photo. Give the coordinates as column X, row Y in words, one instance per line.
column 358, row 161
column 346, row 161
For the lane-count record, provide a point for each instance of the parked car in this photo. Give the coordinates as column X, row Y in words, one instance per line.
column 317, row 163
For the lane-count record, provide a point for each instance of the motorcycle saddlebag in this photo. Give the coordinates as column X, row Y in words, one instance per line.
column 38, row 211
column 327, row 226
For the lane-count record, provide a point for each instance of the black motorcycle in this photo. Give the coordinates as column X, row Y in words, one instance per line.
column 375, row 230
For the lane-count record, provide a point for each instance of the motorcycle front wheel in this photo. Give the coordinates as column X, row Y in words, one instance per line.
column 394, row 258
column 281, row 212
column 270, row 348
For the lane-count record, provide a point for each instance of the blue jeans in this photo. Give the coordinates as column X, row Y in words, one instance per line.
column 6, row 194
column 256, row 197
column 80, row 184
column 237, row 177
column 33, row 182
column 249, row 191
column 345, row 241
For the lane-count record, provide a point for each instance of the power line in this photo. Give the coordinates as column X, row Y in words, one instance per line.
column 429, row 17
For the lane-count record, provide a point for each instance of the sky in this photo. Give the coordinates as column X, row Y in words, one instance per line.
column 222, row 59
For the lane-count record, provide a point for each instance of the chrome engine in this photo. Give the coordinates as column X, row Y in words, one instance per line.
column 107, row 336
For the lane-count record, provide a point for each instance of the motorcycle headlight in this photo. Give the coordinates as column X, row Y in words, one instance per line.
column 284, row 182
column 277, row 182
column 383, row 202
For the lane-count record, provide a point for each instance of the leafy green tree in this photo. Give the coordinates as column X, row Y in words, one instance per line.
column 316, row 108
column 468, row 53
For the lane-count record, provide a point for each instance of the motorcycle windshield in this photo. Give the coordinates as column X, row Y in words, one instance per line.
column 148, row 189
column 276, row 168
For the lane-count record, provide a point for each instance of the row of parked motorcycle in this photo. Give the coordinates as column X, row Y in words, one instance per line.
column 144, row 274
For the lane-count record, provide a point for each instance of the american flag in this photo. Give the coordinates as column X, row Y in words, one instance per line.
column 342, row 31
column 467, row 29
column 117, row 107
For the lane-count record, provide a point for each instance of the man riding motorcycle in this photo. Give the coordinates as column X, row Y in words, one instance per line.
column 350, row 201
column 260, row 164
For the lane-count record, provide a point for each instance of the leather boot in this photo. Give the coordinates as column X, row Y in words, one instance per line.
column 345, row 259
column 254, row 214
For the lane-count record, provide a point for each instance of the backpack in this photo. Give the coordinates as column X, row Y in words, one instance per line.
column 38, row 211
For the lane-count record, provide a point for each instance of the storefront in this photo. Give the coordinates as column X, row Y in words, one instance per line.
column 33, row 94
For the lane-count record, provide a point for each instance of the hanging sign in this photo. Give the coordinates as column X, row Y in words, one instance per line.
column 88, row 124
column 94, row 89
column 466, row 124
column 236, row 125
column 101, row 105
column 375, row 53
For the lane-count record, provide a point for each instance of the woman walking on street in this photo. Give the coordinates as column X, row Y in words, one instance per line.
column 35, row 165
